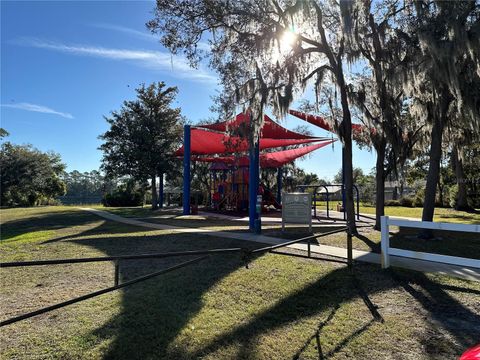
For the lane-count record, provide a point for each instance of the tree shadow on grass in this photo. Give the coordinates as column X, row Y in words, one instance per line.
column 103, row 227
column 50, row 221
column 329, row 292
column 451, row 243
column 305, row 304
column 88, row 225
column 374, row 247
column 155, row 312
column 346, row 340
column 296, row 232
column 466, row 218
column 444, row 310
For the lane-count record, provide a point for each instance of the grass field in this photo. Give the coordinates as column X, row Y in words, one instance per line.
column 280, row 308
column 441, row 214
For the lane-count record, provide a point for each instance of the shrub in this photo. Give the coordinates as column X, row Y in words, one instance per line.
column 367, row 193
column 452, row 195
column 419, row 197
column 125, row 195
column 392, row 203
column 407, row 201
column 119, row 198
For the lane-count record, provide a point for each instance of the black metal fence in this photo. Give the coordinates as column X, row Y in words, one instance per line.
column 246, row 254
column 80, row 200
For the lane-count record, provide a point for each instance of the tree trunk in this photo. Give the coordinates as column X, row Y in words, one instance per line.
column 433, row 175
column 154, row 193
column 347, row 154
column 440, row 192
column 380, row 182
column 461, row 202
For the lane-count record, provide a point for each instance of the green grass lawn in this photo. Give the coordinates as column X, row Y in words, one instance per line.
column 280, row 308
column 441, row 214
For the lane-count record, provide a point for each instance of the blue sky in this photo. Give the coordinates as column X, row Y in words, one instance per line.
column 66, row 64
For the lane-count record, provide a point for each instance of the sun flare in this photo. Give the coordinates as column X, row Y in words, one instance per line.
column 288, row 39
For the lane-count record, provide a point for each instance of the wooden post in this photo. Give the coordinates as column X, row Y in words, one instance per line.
column 385, row 242
column 349, row 250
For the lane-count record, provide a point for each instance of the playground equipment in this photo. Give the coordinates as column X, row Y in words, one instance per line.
column 229, row 189
column 315, row 188
column 212, row 139
column 230, row 179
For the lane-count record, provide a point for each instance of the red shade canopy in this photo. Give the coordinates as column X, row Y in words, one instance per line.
column 268, row 160
column 270, row 128
column 204, row 142
column 321, row 123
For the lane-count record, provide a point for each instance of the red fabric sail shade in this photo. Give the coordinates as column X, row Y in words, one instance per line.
column 268, row 160
column 204, row 142
column 270, row 128
column 321, row 123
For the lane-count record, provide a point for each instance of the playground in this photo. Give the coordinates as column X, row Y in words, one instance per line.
column 235, row 165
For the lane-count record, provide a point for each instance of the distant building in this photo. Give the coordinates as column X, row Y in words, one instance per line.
column 394, row 190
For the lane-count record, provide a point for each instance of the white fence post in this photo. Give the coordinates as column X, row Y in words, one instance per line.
column 385, row 242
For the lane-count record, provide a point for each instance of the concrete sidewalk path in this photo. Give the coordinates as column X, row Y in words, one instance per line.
column 358, row 255
column 225, row 234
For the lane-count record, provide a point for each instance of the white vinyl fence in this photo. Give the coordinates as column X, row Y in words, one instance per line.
column 387, row 251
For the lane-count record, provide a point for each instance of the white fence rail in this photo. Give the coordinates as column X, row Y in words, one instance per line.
column 387, row 251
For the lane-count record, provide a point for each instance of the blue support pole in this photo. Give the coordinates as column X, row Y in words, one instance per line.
column 253, row 183
column 161, row 191
column 210, row 190
column 186, row 170
column 279, row 184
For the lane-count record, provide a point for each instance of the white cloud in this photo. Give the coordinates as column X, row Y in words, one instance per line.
column 155, row 60
column 145, row 35
column 37, row 108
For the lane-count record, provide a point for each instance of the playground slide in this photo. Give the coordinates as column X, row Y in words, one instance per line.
column 269, row 199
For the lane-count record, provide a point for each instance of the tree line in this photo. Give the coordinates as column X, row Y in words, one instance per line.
column 31, row 177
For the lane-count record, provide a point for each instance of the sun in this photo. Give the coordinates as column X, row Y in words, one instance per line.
column 288, row 39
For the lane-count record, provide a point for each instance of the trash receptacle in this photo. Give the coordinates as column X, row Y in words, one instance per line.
column 194, row 210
